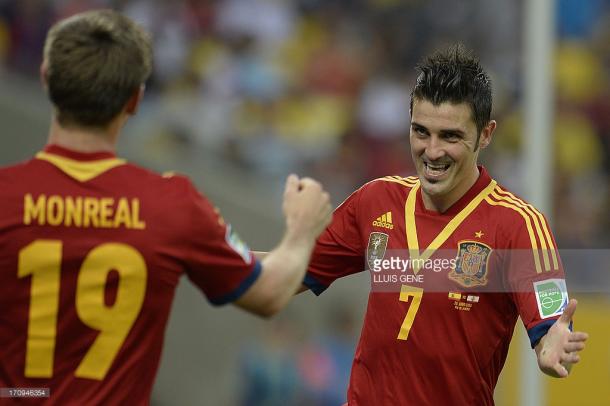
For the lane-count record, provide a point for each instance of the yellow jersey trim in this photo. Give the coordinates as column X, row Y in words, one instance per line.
column 508, row 204
column 544, row 235
column 397, row 179
column 411, row 227
column 82, row 171
column 539, row 233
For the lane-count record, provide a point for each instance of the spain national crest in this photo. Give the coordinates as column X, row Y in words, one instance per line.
column 375, row 249
column 472, row 264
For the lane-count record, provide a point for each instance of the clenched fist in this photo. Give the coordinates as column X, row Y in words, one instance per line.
column 306, row 207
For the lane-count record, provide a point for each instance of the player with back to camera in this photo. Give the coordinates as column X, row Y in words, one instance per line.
column 92, row 247
column 446, row 339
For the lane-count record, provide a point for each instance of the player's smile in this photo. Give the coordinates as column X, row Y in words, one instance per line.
column 435, row 171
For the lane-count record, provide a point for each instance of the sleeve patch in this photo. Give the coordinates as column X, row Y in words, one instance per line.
column 551, row 297
column 238, row 245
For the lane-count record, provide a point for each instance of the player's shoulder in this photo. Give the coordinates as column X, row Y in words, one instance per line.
column 168, row 179
column 165, row 188
column 512, row 209
column 384, row 189
column 170, row 191
column 14, row 168
column 520, row 225
column 15, row 172
column 391, row 183
column 177, row 180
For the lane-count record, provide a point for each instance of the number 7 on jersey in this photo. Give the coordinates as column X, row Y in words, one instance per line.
column 415, row 294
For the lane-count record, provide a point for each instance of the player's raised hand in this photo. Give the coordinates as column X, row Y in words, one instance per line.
column 559, row 348
column 306, row 207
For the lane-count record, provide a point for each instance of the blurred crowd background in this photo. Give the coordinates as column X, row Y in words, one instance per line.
column 322, row 88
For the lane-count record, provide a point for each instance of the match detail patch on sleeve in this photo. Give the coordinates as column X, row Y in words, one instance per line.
column 551, row 296
column 238, row 245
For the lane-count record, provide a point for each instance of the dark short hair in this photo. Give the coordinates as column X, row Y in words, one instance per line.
column 95, row 62
column 455, row 75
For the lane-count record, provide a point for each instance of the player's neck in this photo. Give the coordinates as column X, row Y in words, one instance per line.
column 442, row 203
column 83, row 139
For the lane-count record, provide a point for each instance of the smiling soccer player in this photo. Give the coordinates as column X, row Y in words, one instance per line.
column 445, row 340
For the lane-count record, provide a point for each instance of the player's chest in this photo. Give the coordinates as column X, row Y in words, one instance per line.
column 395, row 229
column 445, row 251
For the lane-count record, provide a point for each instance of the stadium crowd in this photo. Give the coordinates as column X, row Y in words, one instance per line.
column 322, row 87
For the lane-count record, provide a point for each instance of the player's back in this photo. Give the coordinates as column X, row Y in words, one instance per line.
column 91, row 249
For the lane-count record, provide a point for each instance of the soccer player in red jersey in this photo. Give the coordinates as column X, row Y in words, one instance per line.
column 438, row 331
column 92, row 247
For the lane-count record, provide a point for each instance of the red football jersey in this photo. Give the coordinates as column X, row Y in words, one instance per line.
column 439, row 331
column 91, row 250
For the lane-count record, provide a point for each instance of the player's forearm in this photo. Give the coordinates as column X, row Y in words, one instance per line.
column 285, row 269
column 282, row 275
column 260, row 255
column 308, row 211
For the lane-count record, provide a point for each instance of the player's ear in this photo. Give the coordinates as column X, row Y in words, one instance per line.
column 134, row 101
column 487, row 134
column 43, row 75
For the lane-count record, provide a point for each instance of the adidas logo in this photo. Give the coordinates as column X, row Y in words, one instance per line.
column 384, row 221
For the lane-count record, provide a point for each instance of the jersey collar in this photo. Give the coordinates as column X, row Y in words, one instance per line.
column 55, row 149
column 481, row 183
column 80, row 165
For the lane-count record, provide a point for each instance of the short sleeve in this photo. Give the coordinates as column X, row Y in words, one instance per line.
column 535, row 277
column 338, row 251
column 216, row 259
